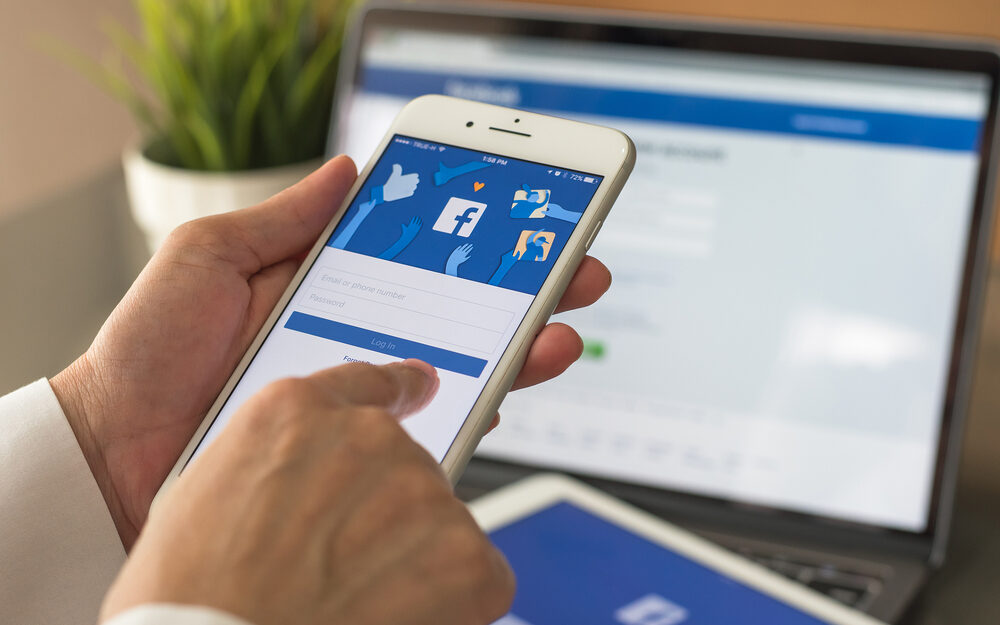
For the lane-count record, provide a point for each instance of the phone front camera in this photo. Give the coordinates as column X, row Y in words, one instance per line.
column 517, row 120
column 468, row 124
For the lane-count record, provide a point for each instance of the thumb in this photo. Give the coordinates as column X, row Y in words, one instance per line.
column 397, row 170
column 288, row 223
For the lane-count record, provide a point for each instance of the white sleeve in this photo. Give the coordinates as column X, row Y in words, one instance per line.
column 59, row 549
column 167, row 614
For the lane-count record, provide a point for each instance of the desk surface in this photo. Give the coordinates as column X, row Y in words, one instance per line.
column 69, row 261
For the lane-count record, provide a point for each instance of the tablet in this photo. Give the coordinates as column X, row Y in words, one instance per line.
column 582, row 557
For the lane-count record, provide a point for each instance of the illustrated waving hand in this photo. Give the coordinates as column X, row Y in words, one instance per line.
column 458, row 256
column 409, row 232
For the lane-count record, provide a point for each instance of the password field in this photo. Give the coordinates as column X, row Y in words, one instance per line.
column 471, row 333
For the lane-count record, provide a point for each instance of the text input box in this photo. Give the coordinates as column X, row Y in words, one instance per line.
column 401, row 308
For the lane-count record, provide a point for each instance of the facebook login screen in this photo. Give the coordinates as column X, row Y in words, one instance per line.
column 787, row 259
column 437, row 258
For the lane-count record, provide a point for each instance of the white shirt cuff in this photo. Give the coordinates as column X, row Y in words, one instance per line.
column 59, row 549
column 169, row 614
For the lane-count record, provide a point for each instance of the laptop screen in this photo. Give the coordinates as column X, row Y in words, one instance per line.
column 787, row 257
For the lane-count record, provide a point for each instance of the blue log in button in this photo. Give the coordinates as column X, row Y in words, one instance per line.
column 385, row 344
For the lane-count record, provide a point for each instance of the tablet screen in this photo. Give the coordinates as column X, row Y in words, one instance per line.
column 575, row 567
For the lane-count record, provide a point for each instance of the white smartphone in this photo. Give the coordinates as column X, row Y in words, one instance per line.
column 453, row 247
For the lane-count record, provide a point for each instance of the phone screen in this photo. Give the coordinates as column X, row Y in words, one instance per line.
column 438, row 257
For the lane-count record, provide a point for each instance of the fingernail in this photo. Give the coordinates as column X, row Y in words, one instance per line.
column 428, row 371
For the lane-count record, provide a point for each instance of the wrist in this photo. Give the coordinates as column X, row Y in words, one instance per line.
column 77, row 387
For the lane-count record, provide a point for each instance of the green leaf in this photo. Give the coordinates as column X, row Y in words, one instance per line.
column 313, row 75
column 249, row 99
column 225, row 84
column 207, row 140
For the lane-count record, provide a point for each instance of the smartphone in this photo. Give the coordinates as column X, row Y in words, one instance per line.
column 454, row 246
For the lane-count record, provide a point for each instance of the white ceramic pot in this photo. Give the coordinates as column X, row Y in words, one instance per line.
column 164, row 197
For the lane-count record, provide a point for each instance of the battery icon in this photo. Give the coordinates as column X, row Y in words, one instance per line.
column 588, row 179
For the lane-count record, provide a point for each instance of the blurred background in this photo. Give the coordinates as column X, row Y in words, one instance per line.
column 69, row 246
column 61, row 142
column 57, row 129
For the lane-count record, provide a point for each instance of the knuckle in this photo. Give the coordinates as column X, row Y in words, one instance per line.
column 205, row 240
column 282, row 405
column 375, row 425
column 185, row 232
column 195, row 233
column 369, row 432
column 496, row 598
column 471, row 553
column 287, row 392
column 417, row 489
column 486, row 574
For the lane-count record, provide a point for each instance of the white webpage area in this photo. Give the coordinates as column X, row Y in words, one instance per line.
column 377, row 297
column 780, row 324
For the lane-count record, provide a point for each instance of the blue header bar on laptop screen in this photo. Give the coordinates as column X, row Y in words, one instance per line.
column 847, row 124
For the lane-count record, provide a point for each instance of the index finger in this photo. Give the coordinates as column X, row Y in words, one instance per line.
column 399, row 388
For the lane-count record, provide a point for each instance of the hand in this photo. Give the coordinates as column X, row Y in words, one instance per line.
column 411, row 229
column 458, row 256
column 135, row 398
column 398, row 186
column 409, row 232
column 317, row 507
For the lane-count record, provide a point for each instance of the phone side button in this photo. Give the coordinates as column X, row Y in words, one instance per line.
column 593, row 234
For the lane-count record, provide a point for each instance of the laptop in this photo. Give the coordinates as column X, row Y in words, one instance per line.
column 783, row 363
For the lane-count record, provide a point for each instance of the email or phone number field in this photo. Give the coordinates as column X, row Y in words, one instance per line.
column 404, row 309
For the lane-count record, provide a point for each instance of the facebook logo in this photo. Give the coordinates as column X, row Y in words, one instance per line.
column 651, row 609
column 459, row 217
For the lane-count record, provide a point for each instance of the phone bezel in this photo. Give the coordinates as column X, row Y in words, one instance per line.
column 540, row 138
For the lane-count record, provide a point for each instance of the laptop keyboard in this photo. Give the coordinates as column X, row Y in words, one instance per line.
column 850, row 588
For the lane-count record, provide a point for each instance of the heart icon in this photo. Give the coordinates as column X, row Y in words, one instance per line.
column 478, row 185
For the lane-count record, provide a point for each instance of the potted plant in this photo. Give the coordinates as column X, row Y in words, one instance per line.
column 233, row 97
